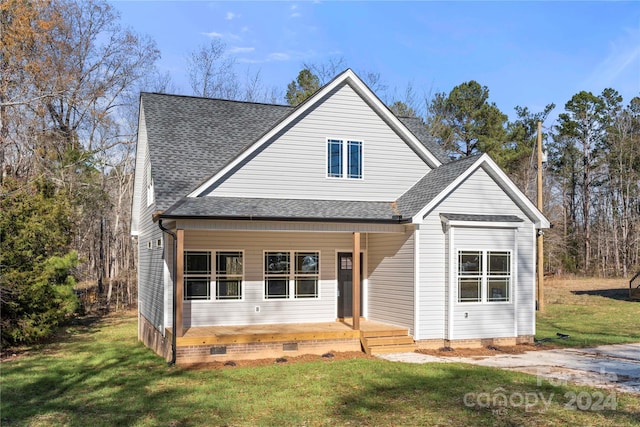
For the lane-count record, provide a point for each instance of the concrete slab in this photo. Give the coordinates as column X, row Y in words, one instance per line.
column 612, row 366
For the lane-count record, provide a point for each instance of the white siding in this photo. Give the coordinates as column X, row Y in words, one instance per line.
column 294, row 164
column 151, row 262
column 391, row 279
column 478, row 194
column 482, row 320
column 243, row 312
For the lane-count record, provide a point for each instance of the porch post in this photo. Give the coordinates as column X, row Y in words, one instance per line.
column 355, row 280
column 177, row 328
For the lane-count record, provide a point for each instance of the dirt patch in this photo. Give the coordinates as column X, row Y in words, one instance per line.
column 328, row 357
column 486, row 351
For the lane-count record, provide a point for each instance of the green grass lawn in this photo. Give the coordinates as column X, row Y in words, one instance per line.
column 591, row 311
column 97, row 374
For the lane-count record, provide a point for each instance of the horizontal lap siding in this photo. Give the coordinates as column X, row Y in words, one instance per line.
column 391, row 279
column 433, row 289
column 294, row 165
column 322, row 309
column 478, row 194
column 526, row 280
column 150, row 261
column 472, row 320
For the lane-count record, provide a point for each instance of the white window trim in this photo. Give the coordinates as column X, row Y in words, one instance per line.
column 214, row 278
column 345, row 158
column 213, row 284
column 483, row 285
column 291, row 283
column 211, row 276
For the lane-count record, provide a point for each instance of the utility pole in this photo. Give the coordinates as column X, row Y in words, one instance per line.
column 540, row 236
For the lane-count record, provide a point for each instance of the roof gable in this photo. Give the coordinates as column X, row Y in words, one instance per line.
column 347, row 77
column 437, row 185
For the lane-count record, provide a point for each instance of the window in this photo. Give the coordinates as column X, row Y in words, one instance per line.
column 197, row 275
column 229, row 270
column 469, row 276
column 276, row 275
column 150, row 190
column 484, row 276
column 282, row 280
column 498, row 276
column 306, row 279
column 344, row 160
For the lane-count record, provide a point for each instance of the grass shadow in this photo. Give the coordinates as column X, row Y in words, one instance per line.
column 620, row 294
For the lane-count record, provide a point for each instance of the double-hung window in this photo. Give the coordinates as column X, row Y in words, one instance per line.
column 197, row 275
column 277, row 269
column 484, row 276
column 229, row 269
column 344, row 158
column 291, row 274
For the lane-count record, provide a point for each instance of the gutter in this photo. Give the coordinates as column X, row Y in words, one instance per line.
column 395, row 219
column 173, row 274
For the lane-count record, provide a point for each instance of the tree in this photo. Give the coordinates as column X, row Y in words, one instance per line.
column 211, row 72
column 401, row 109
column 580, row 133
column 36, row 284
column 518, row 153
column 305, row 85
column 465, row 123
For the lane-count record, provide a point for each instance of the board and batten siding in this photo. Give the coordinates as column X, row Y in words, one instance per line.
column 151, row 264
column 478, row 194
column 294, row 165
column 254, row 244
column 391, row 278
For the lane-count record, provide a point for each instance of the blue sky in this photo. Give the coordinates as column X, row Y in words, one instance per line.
column 527, row 53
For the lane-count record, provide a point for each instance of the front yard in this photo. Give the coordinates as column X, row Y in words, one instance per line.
column 98, row 374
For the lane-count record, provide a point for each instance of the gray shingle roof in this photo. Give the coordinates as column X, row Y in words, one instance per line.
column 482, row 218
column 256, row 208
column 190, row 139
column 432, row 184
column 417, row 127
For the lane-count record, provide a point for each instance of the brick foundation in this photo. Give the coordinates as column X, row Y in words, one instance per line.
column 474, row 343
column 153, row 339
column 202, row 353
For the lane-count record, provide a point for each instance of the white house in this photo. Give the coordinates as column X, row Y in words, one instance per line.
column 254, row 212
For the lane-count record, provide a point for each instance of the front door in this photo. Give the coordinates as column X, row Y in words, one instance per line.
column 345, row 288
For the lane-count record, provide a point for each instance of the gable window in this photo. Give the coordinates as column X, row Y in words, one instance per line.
column 229, row 268
column 344, row 159
column 291, row 274
column 484, row 276
column 197, row 275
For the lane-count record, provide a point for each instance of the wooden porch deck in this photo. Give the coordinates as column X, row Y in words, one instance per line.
column 245, row 334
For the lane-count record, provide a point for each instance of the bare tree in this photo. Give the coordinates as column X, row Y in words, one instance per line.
column 211, row 72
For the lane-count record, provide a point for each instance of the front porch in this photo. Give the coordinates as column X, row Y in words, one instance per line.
column 220, row 343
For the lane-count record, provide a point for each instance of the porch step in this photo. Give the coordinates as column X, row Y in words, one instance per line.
column 389, row 341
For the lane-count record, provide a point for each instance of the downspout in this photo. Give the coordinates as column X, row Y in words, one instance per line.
column 174, row 278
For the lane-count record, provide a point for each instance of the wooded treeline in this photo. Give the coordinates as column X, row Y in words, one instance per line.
column 70, row 77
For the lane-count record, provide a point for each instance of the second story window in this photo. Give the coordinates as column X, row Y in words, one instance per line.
column 344, row 158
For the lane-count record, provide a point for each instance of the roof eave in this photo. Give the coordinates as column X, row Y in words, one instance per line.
column 399, row 220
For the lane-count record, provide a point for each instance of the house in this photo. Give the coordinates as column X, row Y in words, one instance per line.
column 254, row 212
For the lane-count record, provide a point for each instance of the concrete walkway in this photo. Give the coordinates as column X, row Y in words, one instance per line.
column 610, row 366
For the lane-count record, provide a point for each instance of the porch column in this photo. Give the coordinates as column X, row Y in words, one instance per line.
column 177, row 328
column 355, row 280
